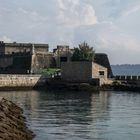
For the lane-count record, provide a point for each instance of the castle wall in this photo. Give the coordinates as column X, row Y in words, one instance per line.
column 6, row 61
column 9, row 48
column 17, row 47
column 41, row 58
column 44, row 60
column 84, row 72
column 60, row 53
column 76, row 71
column 2, row 48
column 21, row 81
column 18, row 63
column 41, row 48
column 37, row 58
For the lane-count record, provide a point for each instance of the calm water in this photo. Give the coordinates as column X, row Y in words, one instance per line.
column 80, row 116
column 126, row 69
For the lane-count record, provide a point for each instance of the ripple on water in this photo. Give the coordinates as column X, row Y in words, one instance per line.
column 80, row 116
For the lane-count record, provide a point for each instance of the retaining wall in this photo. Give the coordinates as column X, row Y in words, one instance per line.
column 21, row 81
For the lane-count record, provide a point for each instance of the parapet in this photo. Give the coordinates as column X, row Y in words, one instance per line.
column 9, row 48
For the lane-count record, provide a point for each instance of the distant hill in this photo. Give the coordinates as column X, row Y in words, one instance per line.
column 126, row 69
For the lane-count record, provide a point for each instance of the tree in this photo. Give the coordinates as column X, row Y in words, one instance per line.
column 83, row 53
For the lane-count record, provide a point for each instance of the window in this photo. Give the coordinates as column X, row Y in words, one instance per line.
column 101, row 73
column 63, row 59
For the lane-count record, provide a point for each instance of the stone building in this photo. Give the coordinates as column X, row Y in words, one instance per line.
column 9, row 48
column 27, row 56
column 102, row 59
column 17, row 63
column 62, row 54
column 33, row 57
column 83, row 71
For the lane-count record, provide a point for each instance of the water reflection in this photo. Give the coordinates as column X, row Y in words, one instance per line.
column 67, row 114
column 26, row 99
column 79, row 116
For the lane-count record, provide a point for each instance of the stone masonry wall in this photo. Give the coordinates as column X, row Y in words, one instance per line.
column 16, row 49
column 6, row 61
column 103, row 78
column 102, row 59
column 19, row 81
column 95, row 71
column 24, row 47
column 76, row 71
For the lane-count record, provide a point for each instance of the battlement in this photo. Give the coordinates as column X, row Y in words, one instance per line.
column 9, row 48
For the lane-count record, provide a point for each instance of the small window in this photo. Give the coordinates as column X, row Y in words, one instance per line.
column 63, row 59
column 101, row 73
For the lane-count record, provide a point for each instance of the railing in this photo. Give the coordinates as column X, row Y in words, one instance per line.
column 127, row 77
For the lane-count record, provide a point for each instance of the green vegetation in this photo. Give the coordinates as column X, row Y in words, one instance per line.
column 48, row 72
column 116, row 83
column 83, row 53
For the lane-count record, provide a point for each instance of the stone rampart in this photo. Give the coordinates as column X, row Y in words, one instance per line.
column 21, row 81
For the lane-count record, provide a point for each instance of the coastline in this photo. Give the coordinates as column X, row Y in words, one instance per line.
column 16, row 82
column 13, row 123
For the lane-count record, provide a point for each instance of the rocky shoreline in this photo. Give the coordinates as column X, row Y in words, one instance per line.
column 12, row 122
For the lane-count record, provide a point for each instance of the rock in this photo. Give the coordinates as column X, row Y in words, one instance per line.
column 12, row 122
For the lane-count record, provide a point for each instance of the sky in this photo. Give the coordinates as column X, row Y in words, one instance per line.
column 110, row 26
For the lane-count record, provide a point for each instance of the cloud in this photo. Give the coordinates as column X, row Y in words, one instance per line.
column 131, row 10
column 108, row 38
column 54, row 23
column 74, row 13
column 111, row 26
column 5, row 39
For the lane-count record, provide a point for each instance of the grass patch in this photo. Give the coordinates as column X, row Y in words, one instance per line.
column 48, row 72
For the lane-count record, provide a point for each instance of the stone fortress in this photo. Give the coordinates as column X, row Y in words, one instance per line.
column 22, row 58
column 26, row 58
